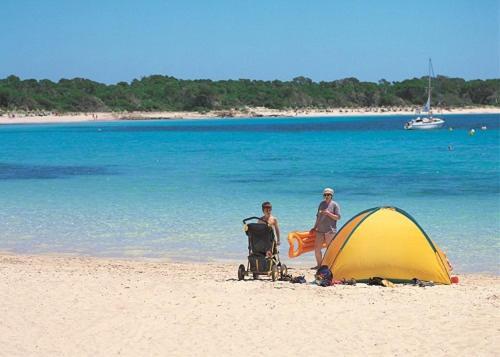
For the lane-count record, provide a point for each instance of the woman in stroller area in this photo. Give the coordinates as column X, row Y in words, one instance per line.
column 271, row 220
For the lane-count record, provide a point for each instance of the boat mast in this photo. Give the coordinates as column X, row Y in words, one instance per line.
column 428, row 105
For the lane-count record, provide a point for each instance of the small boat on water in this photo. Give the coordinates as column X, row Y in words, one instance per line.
column 427, row 120
column 424, row 123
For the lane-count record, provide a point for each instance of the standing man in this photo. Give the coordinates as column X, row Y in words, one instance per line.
column 326, row 223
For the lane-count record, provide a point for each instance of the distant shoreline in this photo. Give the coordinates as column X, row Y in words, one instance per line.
column 58, row 118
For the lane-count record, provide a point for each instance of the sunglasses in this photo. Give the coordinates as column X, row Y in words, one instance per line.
column 267, row 207
column 327, row 194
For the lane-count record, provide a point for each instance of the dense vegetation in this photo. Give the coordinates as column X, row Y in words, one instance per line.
column 168, row 93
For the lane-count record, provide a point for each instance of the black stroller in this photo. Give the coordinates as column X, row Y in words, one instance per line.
column 263, row 255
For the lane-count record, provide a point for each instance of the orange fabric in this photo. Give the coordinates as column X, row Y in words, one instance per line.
column 305, row 243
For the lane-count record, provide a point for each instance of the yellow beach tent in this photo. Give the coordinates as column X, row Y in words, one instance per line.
column 385, row 242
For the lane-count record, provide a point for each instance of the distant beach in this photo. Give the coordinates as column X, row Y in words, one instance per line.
column 52, row 117
column 86, row 306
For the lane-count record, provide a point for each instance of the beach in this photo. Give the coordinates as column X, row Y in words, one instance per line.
column 140, row 140
column 50, row 117
column 64, row 305
column 124, row 238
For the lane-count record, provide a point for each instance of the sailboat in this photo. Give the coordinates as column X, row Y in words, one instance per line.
column 426, row 121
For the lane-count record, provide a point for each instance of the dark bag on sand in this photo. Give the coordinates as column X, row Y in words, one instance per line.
column 324, row 276
column 298, row 280
column 422, row 283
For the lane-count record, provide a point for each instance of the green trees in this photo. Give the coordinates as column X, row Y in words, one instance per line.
column 157, row 92
column 482, row 92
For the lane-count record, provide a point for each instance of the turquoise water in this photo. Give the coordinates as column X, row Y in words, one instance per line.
column 179, row 189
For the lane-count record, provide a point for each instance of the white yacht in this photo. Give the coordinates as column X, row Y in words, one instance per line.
column 427, row 120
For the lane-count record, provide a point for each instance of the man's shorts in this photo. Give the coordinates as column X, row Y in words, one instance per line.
column 325, row 237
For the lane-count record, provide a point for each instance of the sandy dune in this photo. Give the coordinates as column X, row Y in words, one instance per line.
column 84, row 306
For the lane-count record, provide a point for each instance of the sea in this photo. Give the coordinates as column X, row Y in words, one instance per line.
column 179, row 189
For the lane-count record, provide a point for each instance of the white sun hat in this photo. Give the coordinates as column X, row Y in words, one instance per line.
column 328, row 190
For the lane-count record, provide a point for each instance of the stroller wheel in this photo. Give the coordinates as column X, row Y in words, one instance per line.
column 274, row 272
column 255, row 276
column 283, row 270
column 241, row 272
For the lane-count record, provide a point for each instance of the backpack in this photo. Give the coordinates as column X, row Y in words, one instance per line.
column 324, row 276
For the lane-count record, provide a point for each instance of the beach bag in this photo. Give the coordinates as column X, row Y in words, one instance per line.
column 324, row 276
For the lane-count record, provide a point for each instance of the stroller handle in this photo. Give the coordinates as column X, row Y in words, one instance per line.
column 250, row 218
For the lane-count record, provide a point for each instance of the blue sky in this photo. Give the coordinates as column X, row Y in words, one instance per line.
column 118, row 40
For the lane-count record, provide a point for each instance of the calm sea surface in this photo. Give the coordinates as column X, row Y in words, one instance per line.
column 179, row 189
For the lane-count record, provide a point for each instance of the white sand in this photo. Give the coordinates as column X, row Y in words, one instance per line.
column 77, row 306
column 23, row 118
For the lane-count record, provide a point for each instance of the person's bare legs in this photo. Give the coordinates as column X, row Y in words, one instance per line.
column 318, row 244
column 329, row 238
